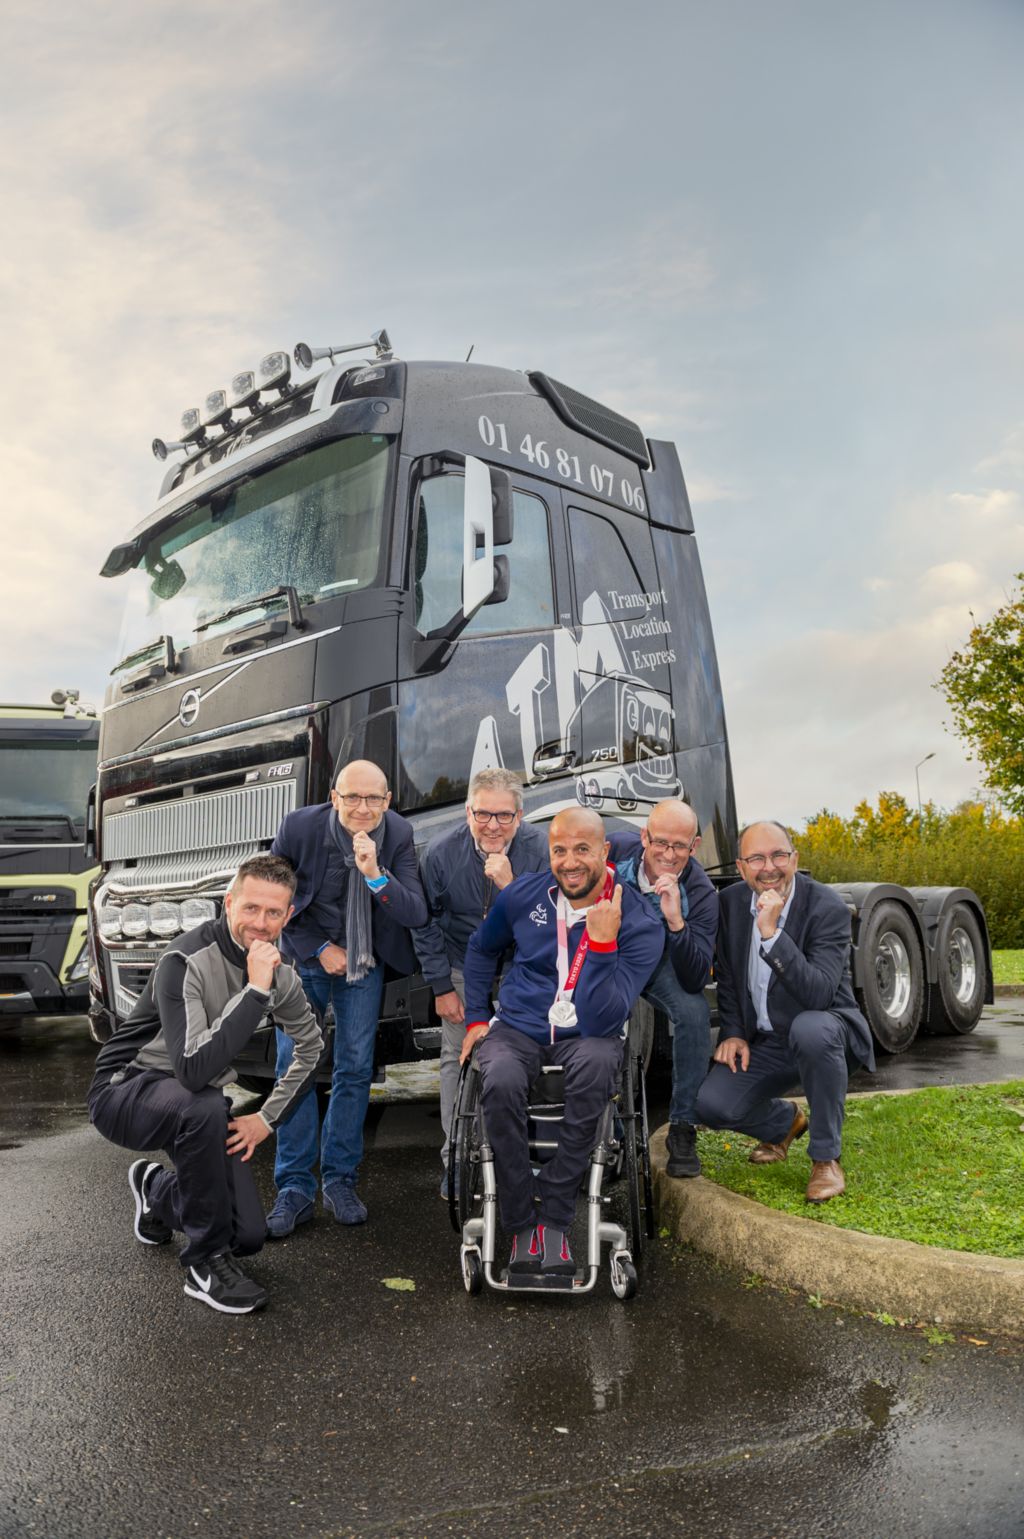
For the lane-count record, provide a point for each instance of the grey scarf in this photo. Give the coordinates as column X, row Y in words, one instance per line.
column 358, row 907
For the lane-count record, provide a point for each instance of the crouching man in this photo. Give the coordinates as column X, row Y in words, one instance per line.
column 787, row 1011
column 159, row 1083
column 582, row 950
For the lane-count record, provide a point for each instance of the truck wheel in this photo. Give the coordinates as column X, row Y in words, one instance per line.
column 624, row 796
column 892, row 989
column 960, row 955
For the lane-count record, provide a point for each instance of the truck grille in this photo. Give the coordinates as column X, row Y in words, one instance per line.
column 129, row 974
column 242, row 817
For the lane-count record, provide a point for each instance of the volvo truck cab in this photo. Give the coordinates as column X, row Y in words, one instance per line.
column 47, row 765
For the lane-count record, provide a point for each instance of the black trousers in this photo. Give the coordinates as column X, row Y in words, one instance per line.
column 817, row 1052
column 509, row 1062
column 210, row 1196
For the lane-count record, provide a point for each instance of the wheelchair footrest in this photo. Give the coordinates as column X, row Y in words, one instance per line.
column 531, row 1281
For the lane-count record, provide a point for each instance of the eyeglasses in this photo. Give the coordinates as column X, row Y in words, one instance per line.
column 662, row 846
column 503, row 819
column 350, row 800
column 758, row 862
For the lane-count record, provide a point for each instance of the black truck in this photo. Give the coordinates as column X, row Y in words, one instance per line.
column 439, row 567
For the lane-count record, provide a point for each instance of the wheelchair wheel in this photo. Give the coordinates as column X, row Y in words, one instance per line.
column 473, row 1272
column 638, row 1166
column 624, row 1281
column 464, row 1181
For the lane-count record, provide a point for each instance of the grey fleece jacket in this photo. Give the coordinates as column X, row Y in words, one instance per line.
column 198, row 1010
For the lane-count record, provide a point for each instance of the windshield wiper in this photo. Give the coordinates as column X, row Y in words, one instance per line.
column 285, row 592
column 164, row 642
column 155, row 667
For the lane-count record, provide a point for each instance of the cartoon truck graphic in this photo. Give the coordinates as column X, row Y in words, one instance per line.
column 621, row 741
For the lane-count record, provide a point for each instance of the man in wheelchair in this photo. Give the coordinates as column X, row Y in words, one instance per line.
column 582, row 949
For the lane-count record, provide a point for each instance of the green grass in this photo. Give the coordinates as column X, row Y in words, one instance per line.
column 941, row 1167
column 1008, row 966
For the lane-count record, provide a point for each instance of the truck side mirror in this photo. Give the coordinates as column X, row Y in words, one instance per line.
column 501, row 501
column 502, row 581
column 477, row 538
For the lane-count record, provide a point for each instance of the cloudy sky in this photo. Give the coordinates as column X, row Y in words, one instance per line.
column 787, row 234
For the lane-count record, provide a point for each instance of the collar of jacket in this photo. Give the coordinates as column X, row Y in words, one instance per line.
column 226, row 942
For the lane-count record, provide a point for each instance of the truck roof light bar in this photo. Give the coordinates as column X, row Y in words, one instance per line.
column 275, row 371
column 191, row 426
column 243, row 390
column 215, row 411
column 305, row 356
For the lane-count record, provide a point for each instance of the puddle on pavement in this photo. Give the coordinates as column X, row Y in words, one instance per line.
column 880, row 1403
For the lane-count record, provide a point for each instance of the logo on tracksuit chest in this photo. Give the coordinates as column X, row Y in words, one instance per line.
column 539, row 915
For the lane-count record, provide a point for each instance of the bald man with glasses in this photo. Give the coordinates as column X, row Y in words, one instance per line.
column 463, row 871
column 658, row 862
column 357, row 898
column 787, row 1013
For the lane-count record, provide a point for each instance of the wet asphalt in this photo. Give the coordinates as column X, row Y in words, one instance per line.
column 709, row 1405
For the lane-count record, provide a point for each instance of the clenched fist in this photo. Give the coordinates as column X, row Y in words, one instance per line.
column 667, row 888
column 604, row 918
column 769, row 906
column 365, row 852
column 264, row 960
column 498, row 869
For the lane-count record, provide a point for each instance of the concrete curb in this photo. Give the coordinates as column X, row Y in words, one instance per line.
column 863, row 1271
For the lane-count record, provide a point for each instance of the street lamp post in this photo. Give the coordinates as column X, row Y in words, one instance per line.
column 917, row 777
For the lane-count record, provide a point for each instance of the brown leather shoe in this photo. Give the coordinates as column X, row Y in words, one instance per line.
column 770, row 1154
column 827, row 1180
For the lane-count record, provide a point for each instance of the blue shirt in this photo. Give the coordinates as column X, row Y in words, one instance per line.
column 759, row 974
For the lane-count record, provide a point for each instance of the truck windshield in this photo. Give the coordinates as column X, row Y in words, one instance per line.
column 46, row 780
column 314, row 524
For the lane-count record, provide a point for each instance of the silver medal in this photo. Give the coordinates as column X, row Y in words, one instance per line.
column 562, row 1013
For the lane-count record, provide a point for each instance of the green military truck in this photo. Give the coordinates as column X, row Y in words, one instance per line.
column 47, row 766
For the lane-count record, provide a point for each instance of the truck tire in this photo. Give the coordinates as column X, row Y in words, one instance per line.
column 892, row 971
column 959, row 993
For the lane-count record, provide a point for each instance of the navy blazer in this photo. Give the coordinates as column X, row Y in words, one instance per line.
column 303, row 839
column 810, row 963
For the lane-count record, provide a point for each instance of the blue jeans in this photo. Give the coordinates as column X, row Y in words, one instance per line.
column 356, row 1011
column 690, row 1021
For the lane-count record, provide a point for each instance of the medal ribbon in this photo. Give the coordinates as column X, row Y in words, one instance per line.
column 565, row 989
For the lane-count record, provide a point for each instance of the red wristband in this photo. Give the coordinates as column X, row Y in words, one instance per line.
column 611, row 945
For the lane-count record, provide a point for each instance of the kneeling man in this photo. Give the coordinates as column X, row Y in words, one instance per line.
column 582, row 950
column 159, row 1083
column 786, row 1010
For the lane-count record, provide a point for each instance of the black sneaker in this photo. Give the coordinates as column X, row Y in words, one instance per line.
column 220, row 1282
column 556, row 1257
column 525, row 1256
column 147, row 1228
column 681, row 1144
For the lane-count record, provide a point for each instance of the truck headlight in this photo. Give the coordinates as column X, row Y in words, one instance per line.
column 135, row 920
column 165, row 919
column 81, row 967
column 108, row 921
column 197, row 911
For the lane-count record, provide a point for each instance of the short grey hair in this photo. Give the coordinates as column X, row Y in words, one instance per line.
column 768, row 823
column 497, row 780
column 266, row 868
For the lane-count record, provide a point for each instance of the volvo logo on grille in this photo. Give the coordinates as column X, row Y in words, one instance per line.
column 188, row 710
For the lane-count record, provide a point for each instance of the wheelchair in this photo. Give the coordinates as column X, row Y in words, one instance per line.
column 621, row 1153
